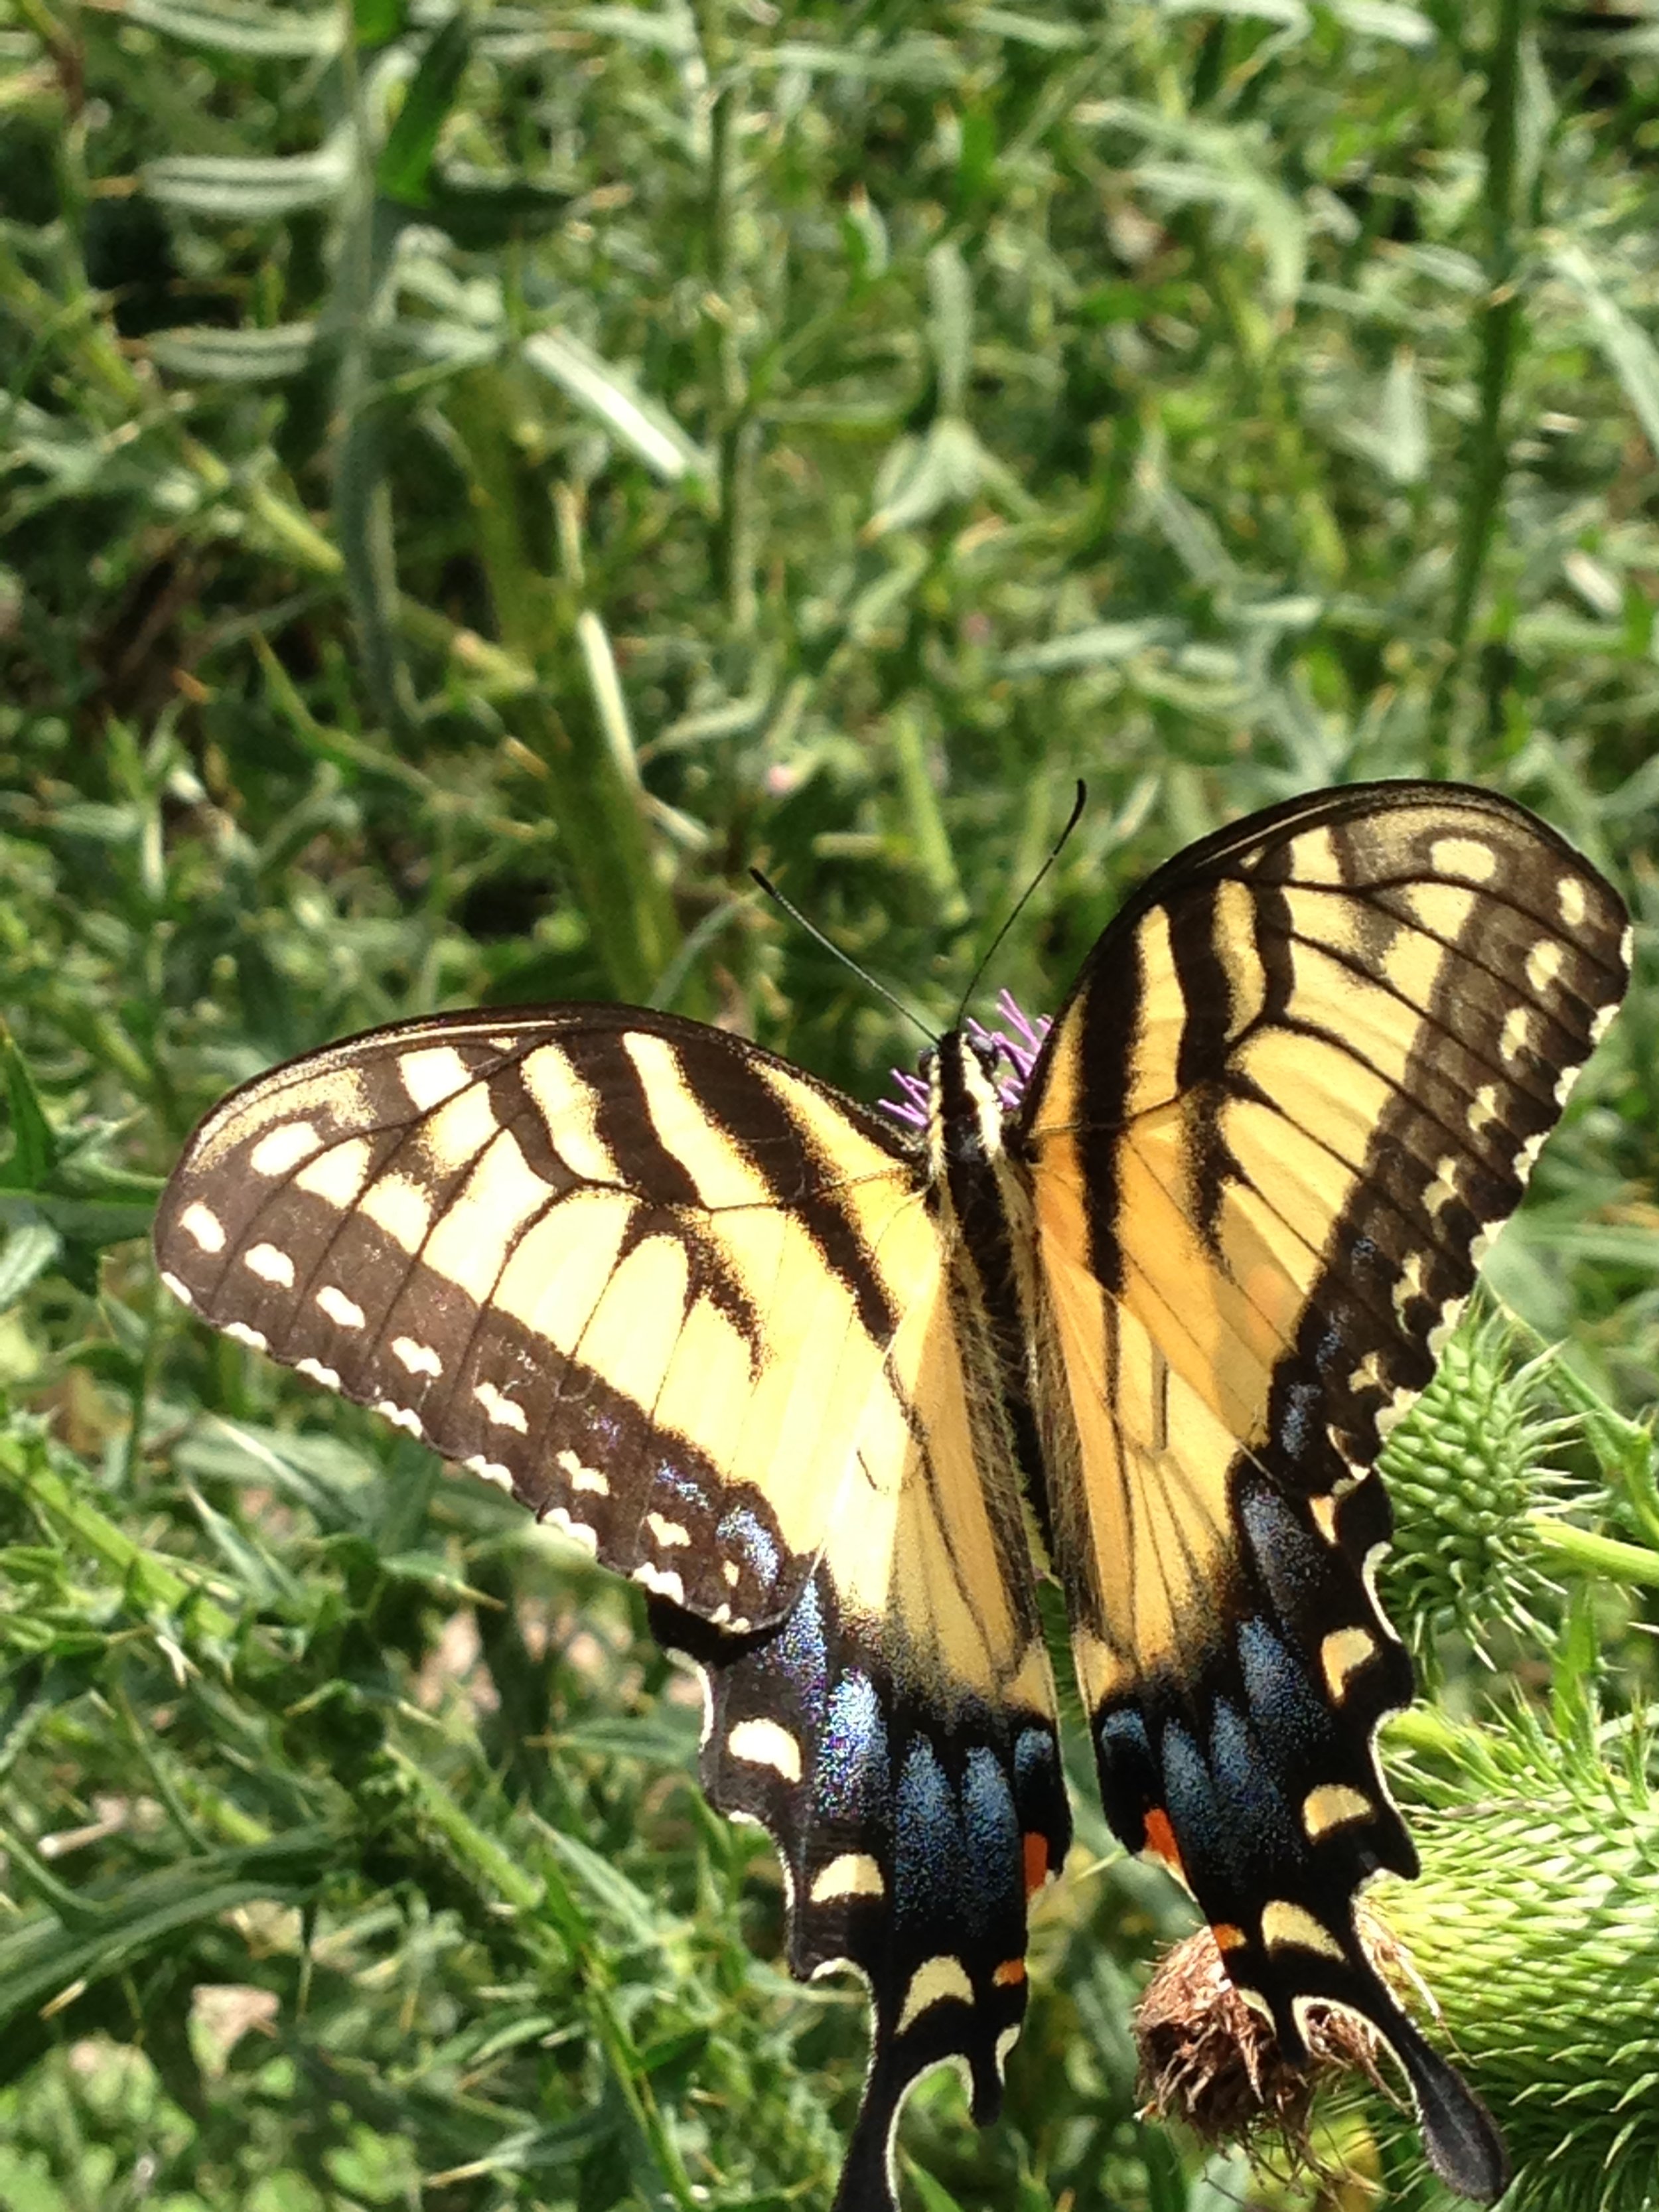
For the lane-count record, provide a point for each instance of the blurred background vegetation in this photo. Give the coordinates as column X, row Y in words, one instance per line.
column 475, row 482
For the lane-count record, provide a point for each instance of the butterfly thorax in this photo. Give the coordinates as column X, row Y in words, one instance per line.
column 983, row 1192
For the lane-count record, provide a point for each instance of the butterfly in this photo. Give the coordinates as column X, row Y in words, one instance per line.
column 819, row 1381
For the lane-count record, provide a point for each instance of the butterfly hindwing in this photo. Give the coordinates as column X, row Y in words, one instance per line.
column 1300, row 1080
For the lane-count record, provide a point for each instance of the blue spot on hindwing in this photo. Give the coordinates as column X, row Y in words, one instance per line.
column 851, row 1780
column 1262, row 1840
column 1284, row 1709
column 1298, row 1432
column 1190, row 1801
column 740, row 1531
column 680, row 1485
column 800, row 1652
column 1295, row 1566
column 995, row 1860
column 929, row 1851
column 1036, row 1764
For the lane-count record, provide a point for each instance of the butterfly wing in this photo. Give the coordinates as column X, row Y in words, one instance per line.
column 624, row 1266
column 696, row 1309
column 1299, row 1082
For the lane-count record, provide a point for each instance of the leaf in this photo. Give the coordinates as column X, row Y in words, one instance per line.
column 922, row 475
column 951, row 324
column 247, row 356
column 1099, row 645
column 405, row 161
column 293, row 34
column 28, row 1253
column 1384, row 19
column 1629, row 351
column 241, row 190
column 34, row 1146
column 648, row 430
column 479, row 211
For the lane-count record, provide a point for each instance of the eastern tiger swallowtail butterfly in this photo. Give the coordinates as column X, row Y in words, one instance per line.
column 800, row 1371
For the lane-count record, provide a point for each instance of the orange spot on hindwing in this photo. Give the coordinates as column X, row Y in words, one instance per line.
column 1036, row 1864
column 1010, row 1974
column 1160, row 1840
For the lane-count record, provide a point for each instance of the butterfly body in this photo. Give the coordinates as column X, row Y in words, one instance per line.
column 809, row 1378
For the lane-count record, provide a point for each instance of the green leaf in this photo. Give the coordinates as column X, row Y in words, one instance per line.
column 33, row 1143
column 1629, row 352
column 28, row 1251
column 245, row 356
column 235, row 188
column 295, row 33
column 405, row 161
column 648, row 429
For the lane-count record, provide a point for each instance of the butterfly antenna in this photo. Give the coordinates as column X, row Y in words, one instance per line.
column 845, row 959
column 1024, row 898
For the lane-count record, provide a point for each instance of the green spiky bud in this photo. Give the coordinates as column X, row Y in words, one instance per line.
column 1535, row 1922
column 1468, row 1470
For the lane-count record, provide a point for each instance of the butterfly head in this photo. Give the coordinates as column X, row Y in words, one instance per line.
column 963, row 1089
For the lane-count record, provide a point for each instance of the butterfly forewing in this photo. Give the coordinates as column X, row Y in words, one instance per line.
column 636, row 1272
column 1298, row 1083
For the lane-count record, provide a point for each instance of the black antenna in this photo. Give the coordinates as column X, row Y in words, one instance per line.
column 845, row 959
column 1023, row 900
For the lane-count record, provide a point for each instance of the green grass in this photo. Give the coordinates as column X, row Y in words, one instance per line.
column 474, row 485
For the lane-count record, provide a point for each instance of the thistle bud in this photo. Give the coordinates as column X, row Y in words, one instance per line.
column 1468, row 1470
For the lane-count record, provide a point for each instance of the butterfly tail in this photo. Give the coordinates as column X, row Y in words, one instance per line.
column 1458, row 2134
column 868, row 2177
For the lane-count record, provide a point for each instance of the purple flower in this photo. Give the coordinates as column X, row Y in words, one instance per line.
column 1018, row 1053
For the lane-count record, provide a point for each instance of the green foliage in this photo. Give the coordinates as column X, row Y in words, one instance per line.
column 475, row 483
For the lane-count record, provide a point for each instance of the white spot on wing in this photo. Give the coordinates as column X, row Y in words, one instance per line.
column 578, row 1531
column 1570, row 898
column 182, row 1291
column 1484, row 1112
column 855, row 1873
column 314, row 1367
column 243, row 1335
column 506, row 1412
column 1516, row 1035
column 399, row 1416
column 763, row 1743
column 1442, row 1191
column 418, row 1359
column 1544, row 964
column 583, row 1478
column 667, row 1533
column 284, row 1147
column 203, row 1225
column 432, row 1075
column 491, row 1470
column 1284, row 1922
column 660, row 1580
column 333, row 1301
column 270, row 1264
column 1464, row 857
column 932, row 1983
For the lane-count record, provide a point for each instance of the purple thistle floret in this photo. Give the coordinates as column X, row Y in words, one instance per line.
column 1018, row 1053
